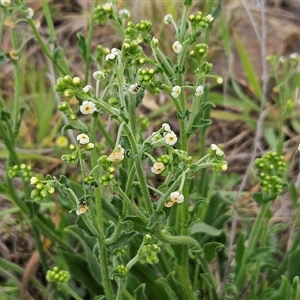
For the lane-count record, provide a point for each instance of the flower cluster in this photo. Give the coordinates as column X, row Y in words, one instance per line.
column 107, row 165
column 200, row 22
column 218, row 156
column 22, row 170
column 68, row 86
column 148, row 254
column 175, row 197
column 271, row 167
column 58, row 276
column 102, row 13
column 147, row 79
column 139, row 30
column 200, row 51
column 43, row 188
column 79, row 151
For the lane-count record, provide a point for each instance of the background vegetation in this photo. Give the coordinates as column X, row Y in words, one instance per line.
column 257, row 110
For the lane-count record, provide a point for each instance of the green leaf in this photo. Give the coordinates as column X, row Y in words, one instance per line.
column 296, row 81
column 78, row 268
column 247, row 67
column 293, row 195
column 5, row 114
column 156, row 217
column 258, row 198
column 271, row 137
column 88, row 244
column 122, row 241
column 201, row 227
column 81, row 43
column 175, row 284
column 293, row 266
column 240, row 249
column 295, row 288
column 75, row 125
column 137, row 224
column 139, row 292
column 33, row 208
column 283, row 292
column 117, row 204
column 171, row 293
column 210, row 249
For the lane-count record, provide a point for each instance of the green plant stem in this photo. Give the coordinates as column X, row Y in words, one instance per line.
column 256, row 231
column 176, row 240
column 139, row 170
column 128, row 295
column 283, row 266
column 9, row 145
column 130, row 203
column 105, row 134
column 39, row 247
column 120, row 289
column 103, row 261
column 68, row 290
column 45, row 48
column 49, row 21
column 256, row 273
column 89, row 45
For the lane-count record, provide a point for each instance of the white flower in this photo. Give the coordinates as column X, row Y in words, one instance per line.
column 83, row 139
column 176, row 90
column 218, row 151
column 168, row 19
column 157, row 168
column 171, row 138
column 5, row 2
column 30, row 13
column 113, row 54
column 134, row 88
column 117, row 155
column 294, row 55
column 88, row 107
column 107, row 6
column 209, row 18
column 34, row 180
column 199, row 90
column 124, row 13
column 299, row 147
column 282, row 59
column 87, row 88
column 177, row 197
column 166, row 127
column 98, row 75
column 219, row 80
column 177, row 47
